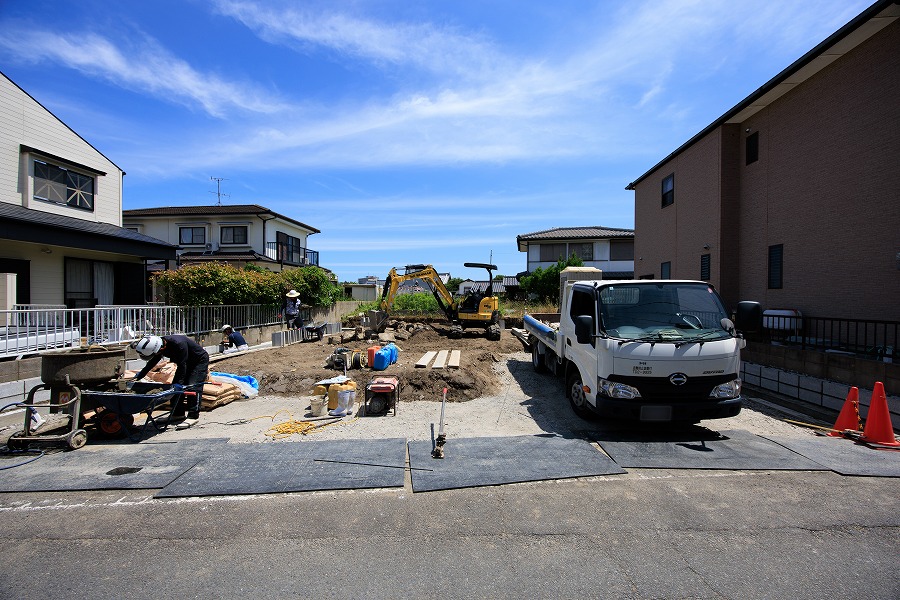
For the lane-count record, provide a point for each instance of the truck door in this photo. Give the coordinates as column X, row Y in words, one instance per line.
column 584, row 356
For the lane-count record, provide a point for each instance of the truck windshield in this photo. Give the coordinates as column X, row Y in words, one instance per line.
column 663, row 312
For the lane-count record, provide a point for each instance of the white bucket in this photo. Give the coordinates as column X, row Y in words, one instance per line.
column 319, row 407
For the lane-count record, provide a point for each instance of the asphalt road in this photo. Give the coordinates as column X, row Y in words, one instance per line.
column 645, row 534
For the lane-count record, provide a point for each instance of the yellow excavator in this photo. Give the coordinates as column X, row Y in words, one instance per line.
column 472, row 310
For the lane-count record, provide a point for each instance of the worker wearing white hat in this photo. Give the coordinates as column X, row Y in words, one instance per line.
column 291, row 308
column 192, row 367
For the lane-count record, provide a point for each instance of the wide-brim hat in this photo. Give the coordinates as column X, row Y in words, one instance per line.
column 292, row 294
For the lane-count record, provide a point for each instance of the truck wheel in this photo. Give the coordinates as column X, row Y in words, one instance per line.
column 537, row 361
column 576, row 395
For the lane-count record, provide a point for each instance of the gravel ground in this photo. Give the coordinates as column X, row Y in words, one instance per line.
column 528, row 403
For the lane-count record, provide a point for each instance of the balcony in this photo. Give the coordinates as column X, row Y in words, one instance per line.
column 290, row 255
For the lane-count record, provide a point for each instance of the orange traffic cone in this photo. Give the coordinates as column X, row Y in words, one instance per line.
column 849, row 417
column 879, row 429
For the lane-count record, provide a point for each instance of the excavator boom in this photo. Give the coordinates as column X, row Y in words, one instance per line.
column 479, row 310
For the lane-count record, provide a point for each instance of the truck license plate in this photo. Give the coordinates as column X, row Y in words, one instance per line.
column 656, row 413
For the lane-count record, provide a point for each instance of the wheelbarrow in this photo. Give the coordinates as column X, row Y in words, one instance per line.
column 119, row 407
column 59, row 428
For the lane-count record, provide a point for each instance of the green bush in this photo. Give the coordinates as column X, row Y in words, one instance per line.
column 222, row 284
column 544, row 283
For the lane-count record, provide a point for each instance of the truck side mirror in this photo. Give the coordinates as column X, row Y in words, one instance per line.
column 584, row 329
column 748, row 317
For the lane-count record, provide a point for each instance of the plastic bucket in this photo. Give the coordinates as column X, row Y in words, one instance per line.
column 382, row 359
column 319, row 406
column 371, row 354
column 333, row 390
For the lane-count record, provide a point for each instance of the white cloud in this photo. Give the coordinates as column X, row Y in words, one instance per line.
column 423, row 45
column 146, row 68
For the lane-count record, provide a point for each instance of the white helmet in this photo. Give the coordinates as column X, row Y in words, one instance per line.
column 148, row 346
column 226, row 327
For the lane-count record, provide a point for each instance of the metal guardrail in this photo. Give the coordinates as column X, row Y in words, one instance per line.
column 292, row 255
column 872, row 339
column 31, row 330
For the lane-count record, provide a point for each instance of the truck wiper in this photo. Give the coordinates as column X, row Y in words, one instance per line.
column 651, row 339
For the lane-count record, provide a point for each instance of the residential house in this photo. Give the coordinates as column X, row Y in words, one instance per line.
column 238, row 235
column 61, row 239
column 791, row 197
column 609, row 249
column 364, row 292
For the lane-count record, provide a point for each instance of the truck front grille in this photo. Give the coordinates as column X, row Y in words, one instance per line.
column 662, row 390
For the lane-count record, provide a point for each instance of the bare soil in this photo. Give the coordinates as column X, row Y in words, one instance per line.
column 296, row 368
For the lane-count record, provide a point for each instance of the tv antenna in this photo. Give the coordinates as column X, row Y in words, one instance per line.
column 218, row 191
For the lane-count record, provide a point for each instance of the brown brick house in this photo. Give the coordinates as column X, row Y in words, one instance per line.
column 792, row 197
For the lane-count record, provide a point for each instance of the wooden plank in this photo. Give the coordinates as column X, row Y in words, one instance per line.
column 426, row 358
column 453, row 363
column 441, row 359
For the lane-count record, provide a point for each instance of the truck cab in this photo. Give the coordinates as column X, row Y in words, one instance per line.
column 654, row 350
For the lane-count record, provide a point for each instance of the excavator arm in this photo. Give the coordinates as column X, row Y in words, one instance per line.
column 475, row 310
column 425, row 273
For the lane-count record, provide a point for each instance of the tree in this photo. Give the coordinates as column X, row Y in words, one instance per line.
column 544, row 283
column 453, row 284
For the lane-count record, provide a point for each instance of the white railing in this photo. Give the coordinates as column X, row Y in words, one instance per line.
column 37, row 328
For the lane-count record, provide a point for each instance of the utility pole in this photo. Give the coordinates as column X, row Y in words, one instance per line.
column 218, row 191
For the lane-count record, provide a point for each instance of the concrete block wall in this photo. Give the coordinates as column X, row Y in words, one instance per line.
column 818, row 392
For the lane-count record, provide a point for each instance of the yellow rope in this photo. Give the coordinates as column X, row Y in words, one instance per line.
column 291, row 426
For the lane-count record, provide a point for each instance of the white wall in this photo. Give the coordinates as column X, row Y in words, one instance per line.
column 24, row 121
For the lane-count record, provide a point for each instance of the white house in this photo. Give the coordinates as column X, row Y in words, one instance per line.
column 239, row 234
column 61, row 239
column 606, row 248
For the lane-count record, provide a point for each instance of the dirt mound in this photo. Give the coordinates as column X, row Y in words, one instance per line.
column 293, row 370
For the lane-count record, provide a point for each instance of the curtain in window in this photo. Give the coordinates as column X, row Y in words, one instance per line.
column 104, row 282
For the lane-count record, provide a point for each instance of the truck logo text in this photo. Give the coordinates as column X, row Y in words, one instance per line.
column 678, row 379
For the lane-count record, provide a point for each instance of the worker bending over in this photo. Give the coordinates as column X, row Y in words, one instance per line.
column 192, row 367
column 233, row 341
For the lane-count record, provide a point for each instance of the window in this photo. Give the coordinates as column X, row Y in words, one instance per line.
column 191, row 235
column 234, row 235
column 752, row 147
column 665, row 270
column 63, row 186
column 705, row 274
column 776, row 267
column 621, row 250
column 582, row 251
column 290, row 249
column 668, row 190
column 88, row 283
column 552, row 252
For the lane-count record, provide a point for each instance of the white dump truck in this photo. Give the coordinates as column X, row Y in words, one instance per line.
column 648, row 350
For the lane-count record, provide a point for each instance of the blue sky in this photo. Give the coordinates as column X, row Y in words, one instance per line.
column 407, row 132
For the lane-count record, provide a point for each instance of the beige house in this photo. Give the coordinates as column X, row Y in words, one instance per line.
column 61, row 239
column 791, row 198
column 238, row 235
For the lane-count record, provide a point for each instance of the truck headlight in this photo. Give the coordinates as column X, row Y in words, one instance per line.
column 732, row 389
column 617, row 390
